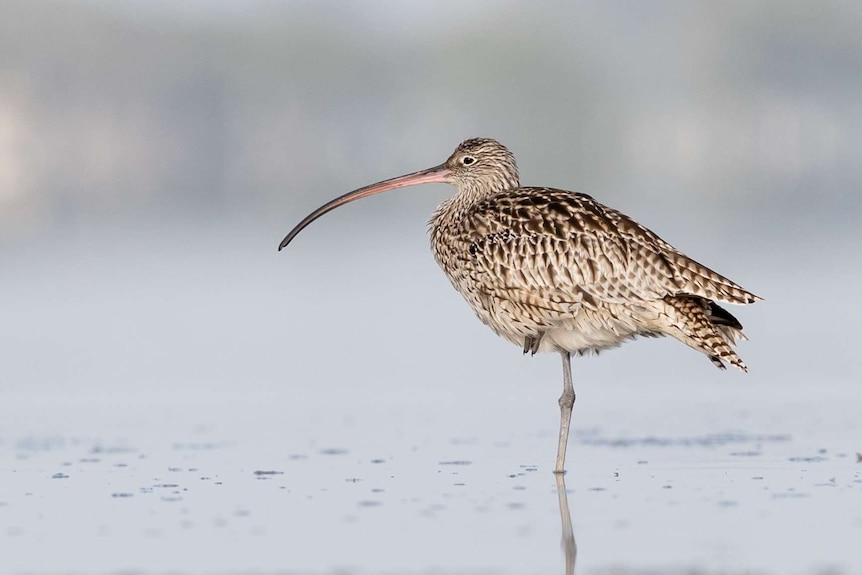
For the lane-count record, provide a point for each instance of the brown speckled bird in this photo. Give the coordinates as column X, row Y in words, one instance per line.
column 552, row 270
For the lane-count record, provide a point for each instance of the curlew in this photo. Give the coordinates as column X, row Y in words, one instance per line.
column 556, row 271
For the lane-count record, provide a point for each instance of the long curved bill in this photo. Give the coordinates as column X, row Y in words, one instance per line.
column 436, row 174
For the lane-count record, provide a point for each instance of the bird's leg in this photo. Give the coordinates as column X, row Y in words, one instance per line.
column 567, row 401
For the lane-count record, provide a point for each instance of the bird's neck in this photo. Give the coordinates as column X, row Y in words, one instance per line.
column 473, row 192
column 453, row 210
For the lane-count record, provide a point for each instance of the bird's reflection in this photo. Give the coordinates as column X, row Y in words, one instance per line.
column 567, row 542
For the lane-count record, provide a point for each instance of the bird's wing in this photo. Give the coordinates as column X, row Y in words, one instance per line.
column 559, row 249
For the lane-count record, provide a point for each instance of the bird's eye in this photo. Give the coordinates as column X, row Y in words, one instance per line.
column 467, row 160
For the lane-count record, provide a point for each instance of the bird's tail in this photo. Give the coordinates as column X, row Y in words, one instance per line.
column 705, row 326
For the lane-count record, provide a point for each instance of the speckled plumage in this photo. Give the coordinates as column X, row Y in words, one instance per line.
column 552, row 270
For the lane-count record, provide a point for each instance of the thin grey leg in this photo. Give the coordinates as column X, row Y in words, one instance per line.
column 567, row 401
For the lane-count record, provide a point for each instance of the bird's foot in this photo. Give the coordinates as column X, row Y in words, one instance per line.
column 531, row 343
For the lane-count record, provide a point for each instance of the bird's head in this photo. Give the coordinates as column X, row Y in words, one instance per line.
column 482, row 165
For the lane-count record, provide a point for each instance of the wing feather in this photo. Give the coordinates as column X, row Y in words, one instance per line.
column 555, row 250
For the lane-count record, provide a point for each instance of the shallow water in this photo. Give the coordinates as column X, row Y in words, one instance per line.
column 203, row 484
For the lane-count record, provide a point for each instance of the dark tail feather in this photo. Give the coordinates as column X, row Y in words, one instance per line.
column 720, row 316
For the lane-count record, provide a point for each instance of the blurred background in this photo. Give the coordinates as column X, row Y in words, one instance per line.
column 153, row 154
